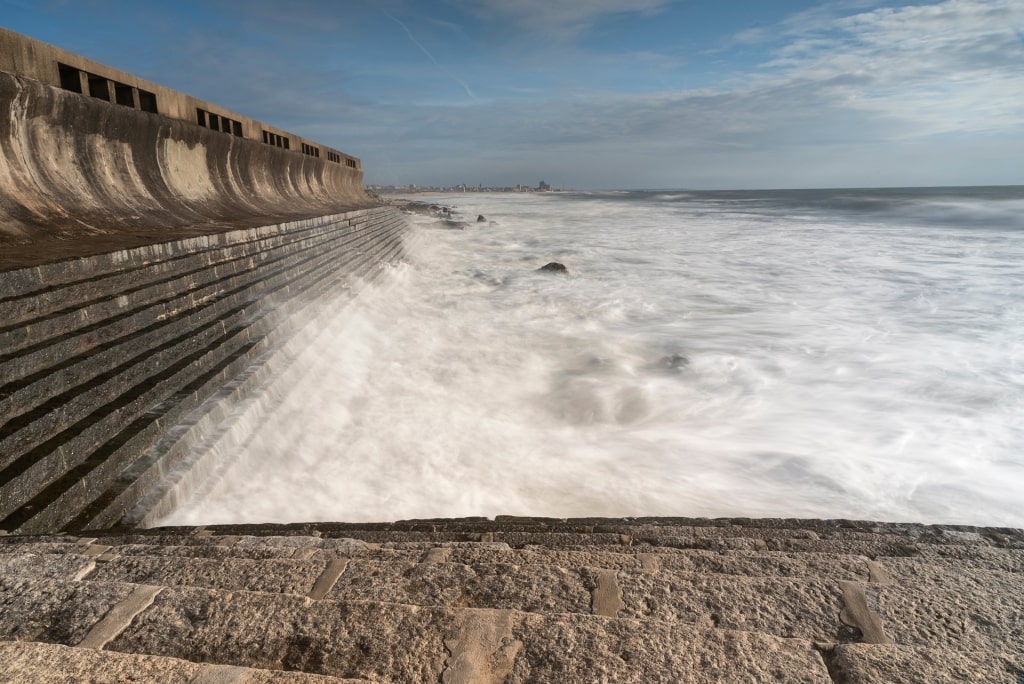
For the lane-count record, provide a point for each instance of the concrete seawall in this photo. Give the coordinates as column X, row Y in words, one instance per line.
column 82, row 176
column 104, row 356
column 158, row 257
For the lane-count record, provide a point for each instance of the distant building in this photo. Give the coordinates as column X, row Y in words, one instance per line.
column 543, row 187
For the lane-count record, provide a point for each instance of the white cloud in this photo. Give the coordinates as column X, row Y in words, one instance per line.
column 953, row 67
column 927, row 94
column 845, row 93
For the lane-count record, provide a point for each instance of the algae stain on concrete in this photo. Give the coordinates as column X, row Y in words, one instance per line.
column 185, row 170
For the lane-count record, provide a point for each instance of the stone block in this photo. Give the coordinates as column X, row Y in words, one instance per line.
column 534, row 588
column 961, row 615
column 59, row 566
column 276, row 576
column 871, row 664
column 54, row 611
column 55, row 664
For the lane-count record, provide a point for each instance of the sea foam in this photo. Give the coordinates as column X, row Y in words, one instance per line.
column 840, row 355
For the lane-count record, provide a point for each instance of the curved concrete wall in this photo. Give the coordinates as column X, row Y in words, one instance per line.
column 74, row 168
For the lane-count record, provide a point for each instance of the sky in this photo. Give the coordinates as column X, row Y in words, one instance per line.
column 594, row 94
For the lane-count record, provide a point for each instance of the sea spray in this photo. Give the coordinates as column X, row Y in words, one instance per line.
column 813, row 353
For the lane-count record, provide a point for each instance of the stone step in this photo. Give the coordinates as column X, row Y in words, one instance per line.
column 1010, row 560
column 390, row 642
column 57, row 357
column 256, row 337
column 44, row 464
column 201, row 542
column 785, row 607
column 191, row 422
column 776, row 564
column 394, row 642
column 978, row 610
column 69, row 565
column 87, row 351
column 55, row 611
column 919, row 570
column 810, row 535
column 40, row 663
column 959, row 614
column 42, row 355
column 269, row 575
column 91, row 272
column 580, row 541
column 872, row 664
column 147, row 288
column 971, row 553
column 135, row 271
column 17, row 545
column 749, row 527
column 846, row 547
column 940, row 573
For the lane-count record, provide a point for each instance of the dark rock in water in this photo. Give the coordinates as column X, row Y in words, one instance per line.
column 422, row 208
column 674, row 362
column 481, row 219
column 554, row 267
column 450, row 224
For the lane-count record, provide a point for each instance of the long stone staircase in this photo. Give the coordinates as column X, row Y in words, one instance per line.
column 111, row 366
column 517, row 600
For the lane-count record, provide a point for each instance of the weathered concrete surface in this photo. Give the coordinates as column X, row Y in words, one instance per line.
column 570, row 601
column 81, row 176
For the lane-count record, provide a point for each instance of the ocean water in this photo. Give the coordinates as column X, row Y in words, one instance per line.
column 828, row 353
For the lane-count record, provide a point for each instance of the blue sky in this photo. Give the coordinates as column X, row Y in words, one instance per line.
column 595, row 93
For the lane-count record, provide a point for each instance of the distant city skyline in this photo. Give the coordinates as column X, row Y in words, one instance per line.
column 605, row 94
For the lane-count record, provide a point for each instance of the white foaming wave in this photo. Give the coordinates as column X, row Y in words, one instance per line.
column 690, row 364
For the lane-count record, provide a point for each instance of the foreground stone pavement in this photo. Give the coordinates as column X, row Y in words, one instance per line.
column 517, row 600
